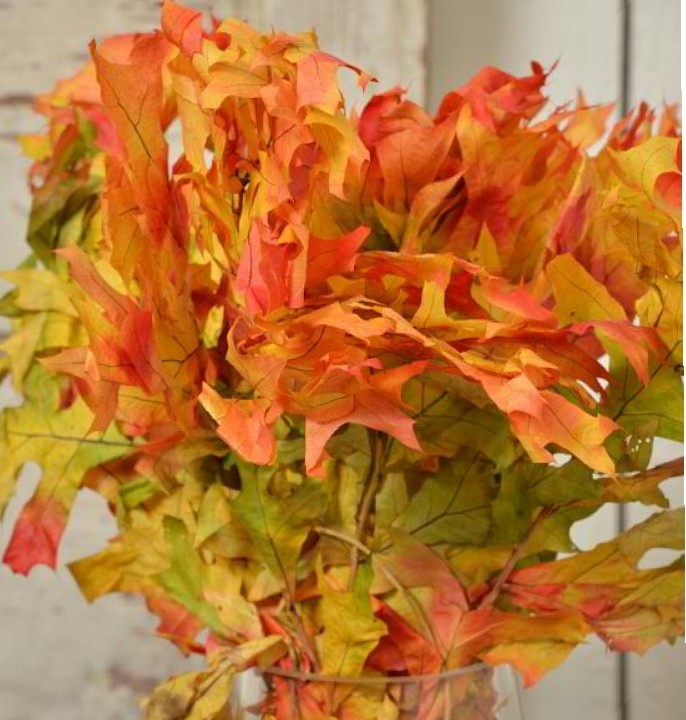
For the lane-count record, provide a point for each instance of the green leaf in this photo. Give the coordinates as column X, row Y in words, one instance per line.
column 656, row 409
column 552, row 535
column 450, row 423
column 278, row 525
column 661, row 530
column 137, row 491
column 525, row 487
column 185, row 578
column 557, row 485
column 454, row 506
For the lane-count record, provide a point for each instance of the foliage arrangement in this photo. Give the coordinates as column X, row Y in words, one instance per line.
column 341, row 377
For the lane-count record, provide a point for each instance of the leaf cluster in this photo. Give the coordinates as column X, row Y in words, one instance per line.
column 347, row 381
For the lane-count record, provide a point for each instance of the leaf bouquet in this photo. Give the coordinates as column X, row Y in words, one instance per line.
column 347, row 380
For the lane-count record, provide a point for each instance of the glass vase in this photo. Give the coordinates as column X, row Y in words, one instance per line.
column 477, row 692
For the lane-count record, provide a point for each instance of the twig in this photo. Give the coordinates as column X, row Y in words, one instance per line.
column 304, row 638
column 663, row 471
column 372, row 482
column 343, row 537
column 516, row 555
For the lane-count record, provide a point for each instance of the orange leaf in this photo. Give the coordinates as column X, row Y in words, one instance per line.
column 245, row 425
column 327, row 257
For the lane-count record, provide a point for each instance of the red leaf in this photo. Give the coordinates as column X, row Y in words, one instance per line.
column 176, row 622
column 183, row 26
column 36, row 536
column 421, row 658
column 327, row 257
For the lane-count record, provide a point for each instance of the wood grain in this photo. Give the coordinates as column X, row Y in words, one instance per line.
column 583, row 35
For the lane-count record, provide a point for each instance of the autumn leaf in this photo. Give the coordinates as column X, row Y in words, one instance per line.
column 662, row 308
column 185, row 578
column 376, row 405
column 201, row 695
column 132, row 96
column 38, row 333
column 176, row 622
column 542, row 417
column 182, row 26
column 532, row 645
column 342, row 375
column 578, row 296
column 123, row 567
column 39, row 291
column 644, row 165
column 65, row 451
column 351, row 631
column 245, row 425
column 602, row 584
column 453, row 506
column 327, row 257
column 278, row 525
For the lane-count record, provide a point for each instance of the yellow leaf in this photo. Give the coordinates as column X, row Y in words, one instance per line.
column 579, row 296
column 351, row 631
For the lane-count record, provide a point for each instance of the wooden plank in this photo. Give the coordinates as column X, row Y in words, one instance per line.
column 583, row 35
column 656, row 681
column 655, row 51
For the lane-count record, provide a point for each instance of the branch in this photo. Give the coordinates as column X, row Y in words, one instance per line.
column 663, row 471
column 516, row 555
column 372, row 482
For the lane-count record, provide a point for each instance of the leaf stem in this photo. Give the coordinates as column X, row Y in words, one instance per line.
column 663, row 471
column 304, row 638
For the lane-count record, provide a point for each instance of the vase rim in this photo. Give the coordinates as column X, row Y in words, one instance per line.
column 380, row 680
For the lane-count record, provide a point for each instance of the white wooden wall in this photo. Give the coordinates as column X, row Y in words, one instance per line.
column 657, row 682
column 63, row 660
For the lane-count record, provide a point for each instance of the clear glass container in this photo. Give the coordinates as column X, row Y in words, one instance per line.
column 477, row 692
